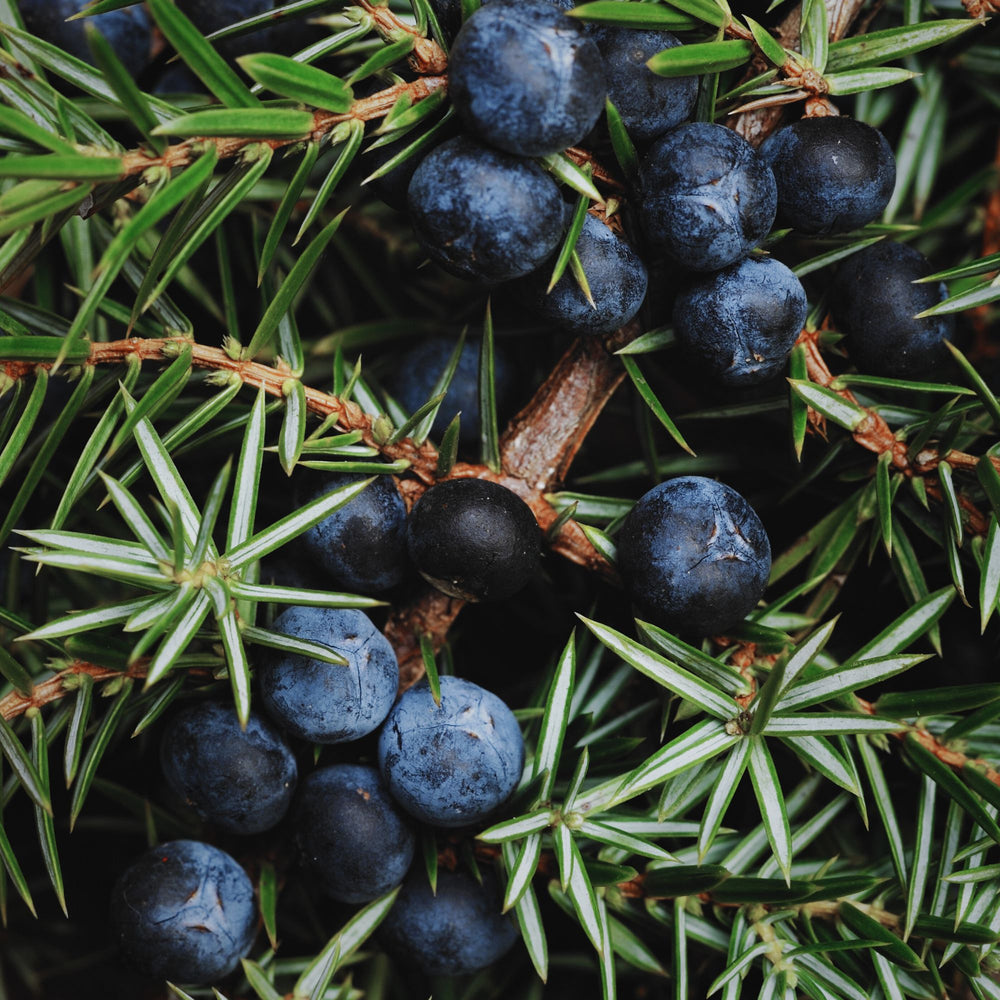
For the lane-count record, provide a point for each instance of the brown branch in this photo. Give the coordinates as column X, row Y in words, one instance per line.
column 14, row 704
column 560, row 414
column 875, row 435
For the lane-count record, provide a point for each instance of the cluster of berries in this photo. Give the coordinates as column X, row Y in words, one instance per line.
column 527, row 82
column 185, row 910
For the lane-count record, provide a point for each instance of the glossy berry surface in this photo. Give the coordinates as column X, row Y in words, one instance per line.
column 362, row 545
column 329, row 702
column 649, row 105
column 419, row 368
column 739, row 325
column 525, row 78
column 240, row 780
column 484, row 214
column 694, row 556
column 833, row 174
column 184, row 911
column 615, row 274
column 706, row 196
column 875, row 302
column 457, row 931
column 352, row 838
column 127, row 31
column 473, row 539
column 451, row 764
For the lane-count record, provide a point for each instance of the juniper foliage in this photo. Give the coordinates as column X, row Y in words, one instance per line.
column 201, row 297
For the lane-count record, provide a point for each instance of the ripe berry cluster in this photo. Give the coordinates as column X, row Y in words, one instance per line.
column 527, row 82
column 185, row 909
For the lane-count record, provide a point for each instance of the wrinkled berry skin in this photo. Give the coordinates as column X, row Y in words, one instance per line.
column 329, row 702
column 127, row 31
column 615, row 274
column 694, row 556
column 739, row 325
column 483, row 214
column 874, row 304
column 420, row 367
column 362, row 545
column 473, row 539
column 648, row 104
column 351, row 836
column 706, row 197
column 451, row 765
column 185, row 912
column 525, row 78
column 241, row 780
column 457, row 931
column 833, row 174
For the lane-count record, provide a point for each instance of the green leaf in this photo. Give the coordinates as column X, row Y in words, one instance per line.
column 909, row 626
column 95, row 752
column 293, row 427
column 296, row 279
column 608, row 832
column 649, row 396
column 289, row 200
column 114, row 257
column 945, row 929
column 828, row 724
column 292, row 525
column 17, row 440
column 23, row 767
column 814, row 33
column 621, row 142
column 187, row 620
column 831, row 405
column 516, row 828
column 700, row 743
column 673, row 677
column 893, row 43
column 120, row 80
column 683, row 880
column 920, row 864
column 529, row 920
column 722, row 794
column 567, row 172
column 860, row 81
column 204, row 61
column 308, row 598
column 766, row 42
column 771, row 802
column 258, row 980
column 354, row 133
column 943, row 776
column 489, row 432
column 44, row 824
column 292, row 644
column 702, row 57
column 989, row 580
column 846, row 680
column 344, row 943
column 244, row 504
column 654, row 17
column 718, row 675
column 299, row 81
column 569, row 242
column 250, row 123
column 556, row 719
